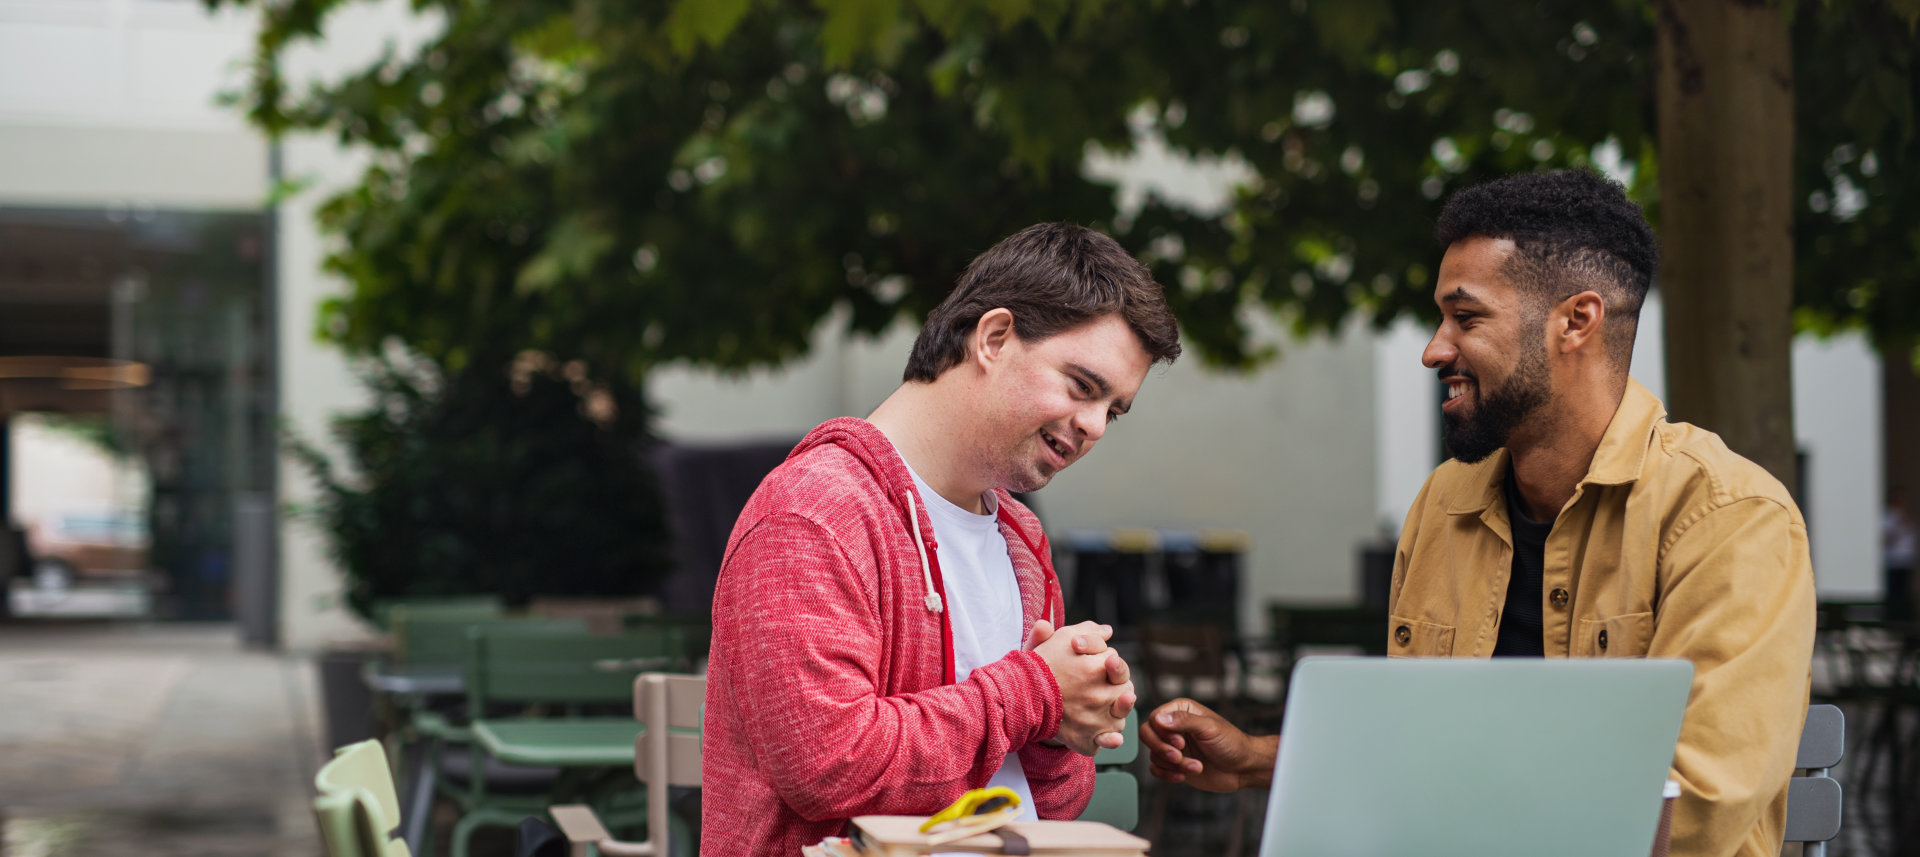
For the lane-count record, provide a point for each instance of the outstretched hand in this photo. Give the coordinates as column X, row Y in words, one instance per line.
column 1187, row 742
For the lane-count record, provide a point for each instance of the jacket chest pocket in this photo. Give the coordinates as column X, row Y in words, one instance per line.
column 1410, row 638
column 1626, row 636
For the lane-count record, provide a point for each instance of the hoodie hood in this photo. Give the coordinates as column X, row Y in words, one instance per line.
column 872, row 448
column 875, row 452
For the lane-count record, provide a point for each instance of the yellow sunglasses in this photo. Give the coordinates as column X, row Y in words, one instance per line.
column 977, row 811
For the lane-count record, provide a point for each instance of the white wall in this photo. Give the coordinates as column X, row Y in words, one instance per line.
column 316, row 383
column 1285, row 454
column 1407, row 430
column 112, row 102
column 700, row 406
column 1837, row 418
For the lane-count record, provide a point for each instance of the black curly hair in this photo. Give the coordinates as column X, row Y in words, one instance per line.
column 1573, row 230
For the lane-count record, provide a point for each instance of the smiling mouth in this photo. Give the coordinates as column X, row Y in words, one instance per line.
column 1457, row 387
column 1059, row 448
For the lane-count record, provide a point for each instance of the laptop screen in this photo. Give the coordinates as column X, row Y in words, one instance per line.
column 1488, row 757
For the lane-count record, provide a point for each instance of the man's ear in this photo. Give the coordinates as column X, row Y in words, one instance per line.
column 991, row 335
column 1577, row 322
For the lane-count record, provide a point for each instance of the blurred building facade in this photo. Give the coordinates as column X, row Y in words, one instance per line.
column 134, row 247
column 108, row 120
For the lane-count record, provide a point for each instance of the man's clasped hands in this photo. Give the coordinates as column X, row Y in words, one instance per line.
column 1096, row 688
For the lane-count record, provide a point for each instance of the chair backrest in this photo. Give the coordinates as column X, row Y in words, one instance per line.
column 667, row 751
column 509, row 665
column 345, row 826
column 602, row 615
column 358, row 809
column 469, row 605
column 697, row 628
column 1813, row 801
column 439, row 638
column 1116, row 793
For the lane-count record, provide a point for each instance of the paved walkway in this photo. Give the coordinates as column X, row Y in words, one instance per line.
column 157, row 740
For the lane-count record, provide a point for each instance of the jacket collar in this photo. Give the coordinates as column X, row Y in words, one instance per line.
column 866, row 443
column 1617, row 461
column 1623, row 449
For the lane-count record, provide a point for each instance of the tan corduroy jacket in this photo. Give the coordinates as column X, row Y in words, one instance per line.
column 1671, row 547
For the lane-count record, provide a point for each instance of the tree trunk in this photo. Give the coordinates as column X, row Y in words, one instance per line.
column 1725, row 87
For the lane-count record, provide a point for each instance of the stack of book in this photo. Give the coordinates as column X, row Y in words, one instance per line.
column 900, row 836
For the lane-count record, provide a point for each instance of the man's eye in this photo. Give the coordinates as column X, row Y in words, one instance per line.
column 1113, row 417
column 1082, row 387
column 1462, row 318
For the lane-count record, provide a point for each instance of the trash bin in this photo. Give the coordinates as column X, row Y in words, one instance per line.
column 1110, row 577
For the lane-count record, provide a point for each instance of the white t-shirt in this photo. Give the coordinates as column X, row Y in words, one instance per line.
column 982, row 600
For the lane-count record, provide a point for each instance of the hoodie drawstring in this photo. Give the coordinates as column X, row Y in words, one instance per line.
column 926, row 571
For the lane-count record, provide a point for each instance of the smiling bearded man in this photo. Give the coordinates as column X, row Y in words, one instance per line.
column 883, row 623
column 1576, row 521
column 1478, row 428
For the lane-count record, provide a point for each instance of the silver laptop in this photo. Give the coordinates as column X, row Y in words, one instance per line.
column 1488, row 758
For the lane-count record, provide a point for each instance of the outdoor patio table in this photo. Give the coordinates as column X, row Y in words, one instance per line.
column 417, row 684
column 433, row 680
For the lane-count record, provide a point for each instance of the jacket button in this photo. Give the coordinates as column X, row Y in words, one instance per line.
column 1603, row 639
column 1559, row 597
column 1403, row 635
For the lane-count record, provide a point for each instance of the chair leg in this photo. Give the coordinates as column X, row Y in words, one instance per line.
column 417, row 816
column 1157, row 813
column 1238, row 837
column 680, row 843
column 463, row 834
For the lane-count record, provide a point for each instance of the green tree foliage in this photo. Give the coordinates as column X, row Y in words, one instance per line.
column 1857, row 224
column 705, row 180
column 522, row 483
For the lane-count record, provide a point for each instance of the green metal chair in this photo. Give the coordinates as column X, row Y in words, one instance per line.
column 1116, row 793
column 474, row 605
column 561, row 682
column 671, row 711
column 357, row 809
column 433, row 732
column 602, row 615
column 1813, row 800
column 438, row 636
column 695, row 628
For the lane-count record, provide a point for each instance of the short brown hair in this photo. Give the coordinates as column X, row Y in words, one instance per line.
column 1054, row 277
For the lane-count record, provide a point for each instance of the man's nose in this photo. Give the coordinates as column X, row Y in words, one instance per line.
column 1091, row 421
column 1439, row 351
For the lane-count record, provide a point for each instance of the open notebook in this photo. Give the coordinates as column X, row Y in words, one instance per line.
column 900, row 836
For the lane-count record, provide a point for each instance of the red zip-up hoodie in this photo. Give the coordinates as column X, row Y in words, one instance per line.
column 830, row 688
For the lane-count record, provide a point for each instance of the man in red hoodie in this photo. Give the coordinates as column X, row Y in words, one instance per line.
column 883, row 621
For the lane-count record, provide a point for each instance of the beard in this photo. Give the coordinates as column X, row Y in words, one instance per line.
column 1478, row 433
